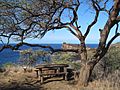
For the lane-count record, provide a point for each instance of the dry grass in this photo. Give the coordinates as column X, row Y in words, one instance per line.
column 111, row 82
column 14, row 78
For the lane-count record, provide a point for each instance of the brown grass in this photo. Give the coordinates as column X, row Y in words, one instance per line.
column 14, row 78
column 111, row 82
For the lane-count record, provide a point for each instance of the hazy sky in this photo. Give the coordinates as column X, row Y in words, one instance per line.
column 85, row 17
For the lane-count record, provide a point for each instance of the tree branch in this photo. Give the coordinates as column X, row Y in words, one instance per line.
column 110, row 23
column 94, row 21
column 117, row 26
column 79, row 33
column 17, row 46
column 111, row 40
column 102, row 48
column 72, row 31
column 118, row 19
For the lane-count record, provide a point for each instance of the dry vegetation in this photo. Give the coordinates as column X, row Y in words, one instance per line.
column 106, row 76
column 14, row 78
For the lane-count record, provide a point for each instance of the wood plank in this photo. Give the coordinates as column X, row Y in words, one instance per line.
column 53, row 73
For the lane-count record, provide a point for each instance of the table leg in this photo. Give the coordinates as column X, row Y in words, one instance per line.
column 65, row 76
column 37, row 73
column 41, row 76
column 41, row 79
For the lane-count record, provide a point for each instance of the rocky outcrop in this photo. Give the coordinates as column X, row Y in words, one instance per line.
column 70, row 46
column 2, row 69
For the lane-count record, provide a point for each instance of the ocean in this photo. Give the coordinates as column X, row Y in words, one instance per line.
column 9, row 56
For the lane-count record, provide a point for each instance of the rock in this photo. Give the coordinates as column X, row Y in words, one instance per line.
column 2, row 70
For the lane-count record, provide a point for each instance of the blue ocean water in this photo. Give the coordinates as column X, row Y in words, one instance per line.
column 8, row 55
column 92, row 45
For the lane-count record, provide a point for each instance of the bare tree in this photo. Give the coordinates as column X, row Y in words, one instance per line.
column 22, row 19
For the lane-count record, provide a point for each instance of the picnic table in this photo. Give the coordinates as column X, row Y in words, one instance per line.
column 51, row 70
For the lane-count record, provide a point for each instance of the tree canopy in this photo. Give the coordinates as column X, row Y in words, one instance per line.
column 23, row 19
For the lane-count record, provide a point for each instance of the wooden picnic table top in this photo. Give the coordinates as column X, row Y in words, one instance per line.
column 50, row 65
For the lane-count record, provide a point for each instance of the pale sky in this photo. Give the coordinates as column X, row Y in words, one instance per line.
column 85, row 17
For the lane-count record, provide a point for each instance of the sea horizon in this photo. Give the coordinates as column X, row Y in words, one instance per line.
column 10, row 56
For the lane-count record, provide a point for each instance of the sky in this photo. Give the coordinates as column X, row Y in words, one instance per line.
column 85, row 17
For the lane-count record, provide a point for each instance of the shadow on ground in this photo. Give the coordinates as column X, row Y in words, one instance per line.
column 22, row 88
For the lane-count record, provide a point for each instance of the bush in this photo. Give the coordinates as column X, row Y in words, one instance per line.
column 8, row 65
column 113, row 58
column 66, row 58
column 109, row 63
column 31, row 57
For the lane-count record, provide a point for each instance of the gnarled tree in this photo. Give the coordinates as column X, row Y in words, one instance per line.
column 22, row 19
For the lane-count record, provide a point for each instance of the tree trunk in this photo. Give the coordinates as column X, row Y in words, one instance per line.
column 85, row 74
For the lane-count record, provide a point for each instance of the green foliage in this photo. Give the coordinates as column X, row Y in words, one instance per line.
column 76, row 66
column 27, row 57
column 66, row 58
column 8, row 65
column 113, row 58
column 30, row 57
column 109, row 64
column 61, row 58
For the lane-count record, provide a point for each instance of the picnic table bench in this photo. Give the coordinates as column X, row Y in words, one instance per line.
column 45, row 70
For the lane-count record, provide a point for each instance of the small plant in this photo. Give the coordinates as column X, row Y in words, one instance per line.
column 66, row 58
column 30, row 57
column 8, row 65
column 76, row 66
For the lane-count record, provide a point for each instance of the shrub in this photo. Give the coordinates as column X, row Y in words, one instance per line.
column 109, row 63
column 8, row 65
column 113, row 59
column 30, row 57
column 66, row 58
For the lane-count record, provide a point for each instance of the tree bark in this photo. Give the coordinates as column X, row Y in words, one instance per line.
column 87, row 66
column 86, row 69
column 85, row 73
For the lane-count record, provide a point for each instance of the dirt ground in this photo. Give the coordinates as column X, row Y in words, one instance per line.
column 17, row 79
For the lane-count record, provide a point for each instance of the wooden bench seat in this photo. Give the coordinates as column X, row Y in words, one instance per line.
column 60, row 73
column 36, row 70
column 42, row 76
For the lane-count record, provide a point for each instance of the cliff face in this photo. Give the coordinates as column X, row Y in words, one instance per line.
column 117, row 45
column 77, row 46
column 90, row 51
column 70, row 46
